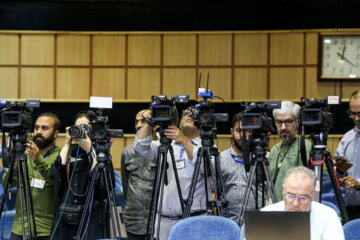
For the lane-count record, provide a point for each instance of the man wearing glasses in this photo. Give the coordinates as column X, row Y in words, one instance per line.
column 348, row 170
column 286, row 154
column 298, row 192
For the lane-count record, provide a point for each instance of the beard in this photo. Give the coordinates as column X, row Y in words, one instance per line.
column 43, row 142
column 286, row 138
column 238, row 144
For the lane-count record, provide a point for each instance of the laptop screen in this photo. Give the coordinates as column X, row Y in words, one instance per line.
column 277, row 225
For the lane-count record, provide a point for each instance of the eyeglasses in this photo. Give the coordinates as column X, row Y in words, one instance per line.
column 188, row 111
column 142, row 120
column 287, row 122
column 302, row 198
column 353, row 114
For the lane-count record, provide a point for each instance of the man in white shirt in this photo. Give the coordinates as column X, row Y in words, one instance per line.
column 298, row 192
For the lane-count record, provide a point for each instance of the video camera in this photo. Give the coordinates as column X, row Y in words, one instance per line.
column 256, row 118
column 163, row 109
column 315, row 114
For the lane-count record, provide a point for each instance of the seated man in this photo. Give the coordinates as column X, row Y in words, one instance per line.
column 298, row 191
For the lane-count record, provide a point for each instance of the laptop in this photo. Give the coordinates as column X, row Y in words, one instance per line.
column 277, row 225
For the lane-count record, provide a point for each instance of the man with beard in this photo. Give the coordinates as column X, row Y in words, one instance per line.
column 349, row 148
column 137, row 175
column 41, row 152
column 287, row 153
column 233, row 172
column 185, row 145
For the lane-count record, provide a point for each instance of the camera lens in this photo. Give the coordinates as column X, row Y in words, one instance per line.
column 76, row 131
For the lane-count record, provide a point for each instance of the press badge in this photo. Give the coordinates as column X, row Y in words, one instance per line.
column 37, row 183
column 180, row 164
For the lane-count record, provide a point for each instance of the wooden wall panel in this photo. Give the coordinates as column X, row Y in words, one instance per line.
column 179, row 81
column 312, row 48
column 179, row 50
column 108, row 82
column 143, row 83
column 37, row 49
column 37, row 83
column 250, row 83
column 115, row 150
column 9, row 49
column 223, row 142
column 251, row 49
column 144, row 50
column 73, row 83
column 286, row 83
column 286, row 48
column 215, row 49
column 108, row 50
column 9, row 78
column 73, row 50
column 327, row 88
column 311, row 90
column 219, row 83
column 349, row 87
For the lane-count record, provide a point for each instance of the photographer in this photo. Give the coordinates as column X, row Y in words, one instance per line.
column 185, row 145
column 72, row 171
column 349, row 170
column 41, row 153
column 287, row 153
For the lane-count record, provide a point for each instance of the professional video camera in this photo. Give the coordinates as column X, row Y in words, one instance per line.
column 163, row 109
column 315, row 115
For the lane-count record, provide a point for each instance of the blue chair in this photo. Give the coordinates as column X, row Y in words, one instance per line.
column 326, row 186
column 8, row 218
column 119, row 194
column 205, row 227
column 352, row 230
column 333, row 206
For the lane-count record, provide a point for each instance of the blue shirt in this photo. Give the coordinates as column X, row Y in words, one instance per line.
column 349, row 148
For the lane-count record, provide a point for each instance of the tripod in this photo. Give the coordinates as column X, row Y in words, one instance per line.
column 103, row 172
column 160, row 180
column 204, row 155
column 258, row 161
column 18, row 153
column 318, row 156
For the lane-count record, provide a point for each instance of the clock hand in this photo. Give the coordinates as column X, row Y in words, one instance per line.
column 344, row 58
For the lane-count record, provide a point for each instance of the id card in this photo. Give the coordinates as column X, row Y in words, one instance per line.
column 37, row 183
column 180, row 164
column 72, row 159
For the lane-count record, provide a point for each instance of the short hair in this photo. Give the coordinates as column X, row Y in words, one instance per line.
column 236, row 118
column 53, row 116
column 355, row 95
column 80, row 115
column 301, row 170
column 287, row 106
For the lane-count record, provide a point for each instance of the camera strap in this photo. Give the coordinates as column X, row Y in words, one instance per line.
column 303, row 151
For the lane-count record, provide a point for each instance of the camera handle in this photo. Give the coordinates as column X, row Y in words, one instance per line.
column 318, row 156
column 19, row 140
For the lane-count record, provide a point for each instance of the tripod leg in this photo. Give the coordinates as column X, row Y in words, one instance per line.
column 318, row 179
column 215, row 194
column 220, row 185
column 247, row 194
column 336, row 187
column 7, row 184
column 267, row 172
column 29, row 200
column 21, row 185
column 177, row 179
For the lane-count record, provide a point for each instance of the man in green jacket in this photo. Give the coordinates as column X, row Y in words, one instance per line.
column 41, row 152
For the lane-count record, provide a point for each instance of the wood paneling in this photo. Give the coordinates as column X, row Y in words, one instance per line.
column 250, row 83
column 108, row 50
column 286, row 48
column 115, row 150
column 179, row 50
column 349, row 87
column 327, row 88
column 9, row 49
column 251, row 49
column 215, row 49
column 37, row 83
column 37, row 49
column 144, row 50
column 143, row 83
column 286, row 83
column 219, row 81
column 224, row 142
column 109, row 82
column 9, row 78
column 73, row 50
column 312, row 48
column 311, row 90
column 179, row 81
column 72, row 83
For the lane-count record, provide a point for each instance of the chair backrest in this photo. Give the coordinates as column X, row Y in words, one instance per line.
column 352, row 229
column 119, row 194
column 205, row 227
column 326, row 186
column 5, row 230
column 333, row 206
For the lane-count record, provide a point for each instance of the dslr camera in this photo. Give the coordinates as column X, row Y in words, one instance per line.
column 78, row 131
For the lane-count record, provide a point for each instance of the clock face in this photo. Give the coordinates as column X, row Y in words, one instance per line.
column 340, row 57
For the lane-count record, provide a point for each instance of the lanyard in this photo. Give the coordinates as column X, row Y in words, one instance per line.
column 47, row 156
column 236, row 158
column 182, row 150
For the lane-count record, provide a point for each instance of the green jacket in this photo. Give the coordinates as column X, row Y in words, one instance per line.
column 43, row 200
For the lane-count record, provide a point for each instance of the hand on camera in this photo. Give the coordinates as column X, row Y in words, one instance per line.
column 85, row 142
column 32, row 150
column 342, row 165
column 172, row 132
column 350, row 182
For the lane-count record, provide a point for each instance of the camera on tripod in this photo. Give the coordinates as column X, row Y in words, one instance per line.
column 163, row 109
column 315, row 114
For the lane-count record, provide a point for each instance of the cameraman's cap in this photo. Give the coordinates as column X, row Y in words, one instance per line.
column 190, row 103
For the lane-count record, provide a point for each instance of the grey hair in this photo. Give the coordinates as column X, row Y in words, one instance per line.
column 302, row 171
column 287, row 106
